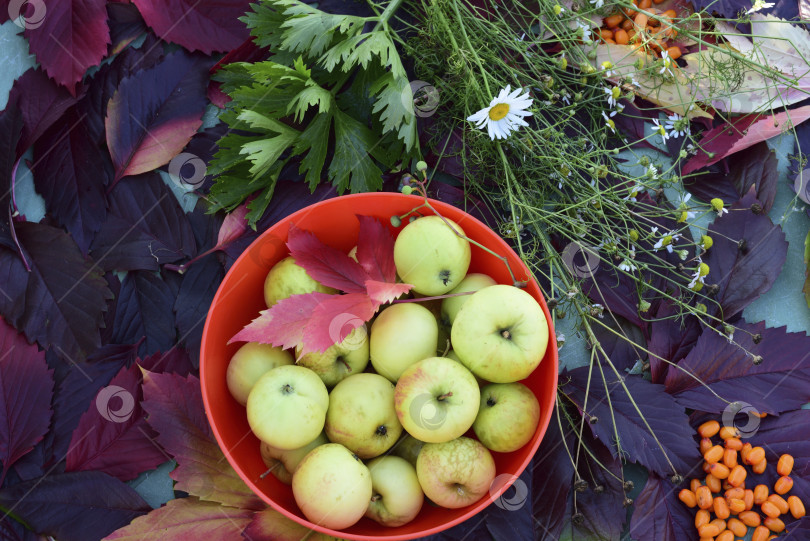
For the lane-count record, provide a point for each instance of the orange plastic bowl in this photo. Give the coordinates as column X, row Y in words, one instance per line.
column 240, row 298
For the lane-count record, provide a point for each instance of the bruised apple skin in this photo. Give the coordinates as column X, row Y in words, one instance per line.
column 249, row 363
column 286, row 279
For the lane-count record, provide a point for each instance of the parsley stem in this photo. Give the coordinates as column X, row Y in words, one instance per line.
column 389, row 11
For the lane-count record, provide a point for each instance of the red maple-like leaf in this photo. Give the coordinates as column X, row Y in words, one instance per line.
column 385, row 292
column 335, row 318
column 375, row 250
column 326, row 264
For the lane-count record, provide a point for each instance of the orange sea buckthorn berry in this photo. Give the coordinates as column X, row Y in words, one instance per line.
column 785, row 465
column 733, row 443
column 770, row 509
column 720, row 523
column 608, row 40
column 780, row 503
column 727, row 432
column 760, row 494
column 774, row 524
column 719, row 470
column 640, row 20
column 750, row 518
column 725, row 535
column 714, row 484
column 704, row 497
column 715, row 454
column 730, row 458
column 736, row 506
column 761, row 533
column 728, row 486
column 796, row 506
column 734, row 493
column 694, row 484
column 736, row 526
column 702, row 517
column 670, row 13
column 737, row 475
column 759, row 467
column 687, row 497
column 755, row 455
column 621, row 37
column 783, row 485
column 705, row 445
column 645, row 4
column 748, row 498
column 706, row 466
column 746, row 448
column 708, row 530
column 606, row 34
column 721, row 508
column 612, row 21
column 627, row 24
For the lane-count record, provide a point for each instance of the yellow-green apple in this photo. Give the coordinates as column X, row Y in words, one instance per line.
column 402, row 334
column 340, row 360
column 332, row 486
column 436, row 399
column 500, row 334
column 507, row 417
column 283, row 463
column 249, row 363
column 471, row 283
column 286, row 279
column 287, row 407
column 429, row 255
column 408, row 448
column 396, row 494
column 455, row 473
column 361, row 415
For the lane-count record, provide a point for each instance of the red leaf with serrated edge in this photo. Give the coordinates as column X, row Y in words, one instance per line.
column 26, row 389
column 334, row 319
column 375, row 250
column 69, row 37
column 175, row 408
column 385, row 292
column 270, row 524
column 112, row 435
column 233, row 226
column 326, row 264
column 283, row 324
column 186, row 519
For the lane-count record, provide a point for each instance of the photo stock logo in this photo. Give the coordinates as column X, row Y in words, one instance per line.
column 425, row 413
column 743, row 417
column 187, row 170
column 27, row 14
column 424, row 98
column 341, row 331
column 581, row 260
column 517, row 498
column 802, row 185
column 115, row 404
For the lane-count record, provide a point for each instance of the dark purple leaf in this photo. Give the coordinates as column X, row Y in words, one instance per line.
column 70, row 172
column 623, row 349
column 41, row 102
column 198, row 25
column 205, row 226
column 665, row 417
column 200, row 284
column 145, row 227
column 755, row 167
column 746, row 258
column 144, row 310
column 11, row 126
column 154, row 113
column 176, row 361
column 65, row 296
column 780, row 383
column 203, row 145
column 510, row 516
column 671, row 338
column 109, row 316
column 113, row 436
column 125, row 25
column 459, row 198
column 552, row 475
column 69, row 38
column 26, row 388
column 659, row 515
column 80, row 506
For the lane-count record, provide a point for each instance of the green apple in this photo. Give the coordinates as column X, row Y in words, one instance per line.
column 287, row 407
column 500, row 334
column 284, row 462
column 436, row 399
column 250, row 363
column 429, row 255
column 402, row 334
column 456, row 473
column 472, row 282
column 396, row 494
column 339, row 361
column 332, row 487
column 507, row 417
column 286, row 279
column 361, row 415
column 408, row 448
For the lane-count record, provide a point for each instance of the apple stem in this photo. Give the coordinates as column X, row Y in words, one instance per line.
column 376, row 498
column 342, row 360
column 506, row 334
column 445, row 395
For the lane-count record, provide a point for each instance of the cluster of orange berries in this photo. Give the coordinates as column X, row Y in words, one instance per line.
column 630, row 26
column 725, row 471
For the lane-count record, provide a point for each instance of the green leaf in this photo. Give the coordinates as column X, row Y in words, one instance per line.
column 395, row 105
column 265, row 152
column 312, row 94
column 315, row 140
column 351, row 166
column 806, row 288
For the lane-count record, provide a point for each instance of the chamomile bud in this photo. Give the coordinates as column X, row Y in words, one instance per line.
column 706, row 242
column 643, row 305
column 700, row 307
column 718, row 206
column 633, row 235
column 703, row 270
column 421, row 166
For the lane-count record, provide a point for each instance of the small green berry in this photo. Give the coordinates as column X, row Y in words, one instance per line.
column 700, row 307
column 407, row 190
column 412, row 219
column 421, row 166
column 633, row 235
column 396, row 221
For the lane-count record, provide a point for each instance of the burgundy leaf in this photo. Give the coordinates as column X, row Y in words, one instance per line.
column 126, row 24
column 187, row 519
column 41, row 102
column 26, row 388
column 200, row 284
column 233, row 226
column 385, row 292
column 269, row 524
column 623, row 342
column 375, row 250
column 659, row 515
column 11, row 127
column 746, row 258
column 510, row 517
column 145, row 311
column 552, row 475
column 175, row 360
column 779, row 383
column 112, row 435
column 206, row 226
column 145, row 227
column 70, row 172
column 78, row 506
column 671, row 338
column 204, row 25
column 334, row 319
column 64, row 295
column 248, row 51
column 154, row 113
column 665, row 417
column 326, row 264
column 72, row 36
column 176, row 412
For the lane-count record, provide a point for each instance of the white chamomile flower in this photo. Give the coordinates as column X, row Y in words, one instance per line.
column 598, row 3
column 652, row 172
column 609, row 121
column 666, row 60
column 586, row 31
column 666, row 241
column 660, row 130
column 566, row 97
column 634, row 192
column 504, row 114
column 677, row 125
column 628, row 265
column 686, row 214
column 597, row 310
column 690, row 149
column 613, row 94
column 759, row 5
column 607, row 67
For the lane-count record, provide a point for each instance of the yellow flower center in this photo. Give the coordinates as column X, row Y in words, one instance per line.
column 499, row 111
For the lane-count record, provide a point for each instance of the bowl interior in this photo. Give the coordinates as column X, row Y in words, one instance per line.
column 240, row 298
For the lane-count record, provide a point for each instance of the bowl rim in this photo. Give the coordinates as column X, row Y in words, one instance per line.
column 476, row 507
